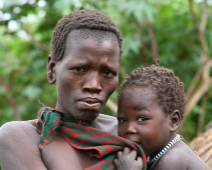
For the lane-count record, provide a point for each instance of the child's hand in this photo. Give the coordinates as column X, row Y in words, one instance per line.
column 126, row 160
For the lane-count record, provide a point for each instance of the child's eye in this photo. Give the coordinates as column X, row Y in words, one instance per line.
column 141, row 119
column 121, row 120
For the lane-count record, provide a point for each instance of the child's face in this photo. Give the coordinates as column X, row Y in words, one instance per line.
column 142, row 120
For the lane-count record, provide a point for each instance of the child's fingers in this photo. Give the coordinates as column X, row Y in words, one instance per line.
column 126, row 150
column 139, row 161
column 133, row 154
column 116, row 162
column 119, row 154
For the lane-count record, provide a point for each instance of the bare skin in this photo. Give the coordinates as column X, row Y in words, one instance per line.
column 142, row 120
column 91, row 65
column 85, row 78
column 72, row 158
column 18, row 139
column 13, row 149
column 128, row 160
column 181, row 156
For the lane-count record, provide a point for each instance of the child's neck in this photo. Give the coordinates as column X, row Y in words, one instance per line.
column 152, row 160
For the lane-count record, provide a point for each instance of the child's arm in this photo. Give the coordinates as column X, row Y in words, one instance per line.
column 126, row 160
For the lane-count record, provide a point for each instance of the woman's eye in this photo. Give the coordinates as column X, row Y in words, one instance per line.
column 109, row 73
column 79, row 69
column 141, row 119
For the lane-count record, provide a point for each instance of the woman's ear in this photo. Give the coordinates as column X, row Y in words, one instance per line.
column 175, row 120
column 50, row 69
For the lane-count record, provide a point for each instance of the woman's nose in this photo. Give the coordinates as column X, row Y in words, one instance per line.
column 93, row 83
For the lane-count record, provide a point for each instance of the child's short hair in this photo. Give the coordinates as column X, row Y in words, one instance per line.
column 170, row 90
column 88, row 19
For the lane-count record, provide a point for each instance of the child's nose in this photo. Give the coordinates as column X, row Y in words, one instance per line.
column 131, row 128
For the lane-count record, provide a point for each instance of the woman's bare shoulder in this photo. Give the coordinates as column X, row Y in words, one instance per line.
column 23, row 131
column 11, row 128
column 19, row 146
column 18, row 124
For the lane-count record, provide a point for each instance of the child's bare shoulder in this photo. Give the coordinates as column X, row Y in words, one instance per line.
column 181, row 157
column 191, row 157
column 170, row 160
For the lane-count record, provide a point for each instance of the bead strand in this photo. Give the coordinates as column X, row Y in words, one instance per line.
column 164, row 150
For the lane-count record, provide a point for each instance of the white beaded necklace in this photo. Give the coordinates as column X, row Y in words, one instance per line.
column 164, row 150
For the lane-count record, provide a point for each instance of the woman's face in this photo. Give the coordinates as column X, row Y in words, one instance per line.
column 86, row 76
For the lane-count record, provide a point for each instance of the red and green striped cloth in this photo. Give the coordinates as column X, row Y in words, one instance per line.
column 101, row 146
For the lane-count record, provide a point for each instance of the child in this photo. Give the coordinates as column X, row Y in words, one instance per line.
column 151, row 105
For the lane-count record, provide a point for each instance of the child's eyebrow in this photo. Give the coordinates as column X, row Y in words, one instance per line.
column 138, row 108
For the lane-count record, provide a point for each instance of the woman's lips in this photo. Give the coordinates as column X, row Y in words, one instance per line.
column 90, row 104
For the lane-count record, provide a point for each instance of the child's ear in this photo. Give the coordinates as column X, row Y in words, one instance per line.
column 175, row 120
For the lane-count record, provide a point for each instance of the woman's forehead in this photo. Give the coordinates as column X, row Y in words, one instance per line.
column 97, row 35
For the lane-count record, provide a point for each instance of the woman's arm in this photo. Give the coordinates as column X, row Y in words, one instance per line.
column 19, row 146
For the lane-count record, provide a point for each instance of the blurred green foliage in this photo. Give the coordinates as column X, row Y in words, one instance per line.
column 25, row 36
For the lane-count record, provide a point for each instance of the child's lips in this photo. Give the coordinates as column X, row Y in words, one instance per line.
column 137, row 143
column 134, row 137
